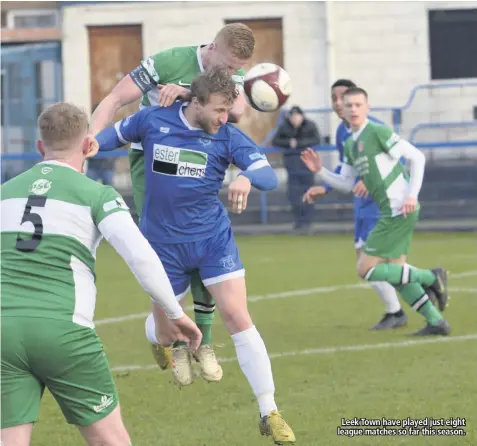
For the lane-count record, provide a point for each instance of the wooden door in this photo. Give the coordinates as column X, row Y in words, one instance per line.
column 114, row 52
column 268, row 48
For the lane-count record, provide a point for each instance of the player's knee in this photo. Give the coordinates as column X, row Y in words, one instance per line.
column 237, row 321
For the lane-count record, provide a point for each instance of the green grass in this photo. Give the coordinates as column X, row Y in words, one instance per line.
column 314, row 391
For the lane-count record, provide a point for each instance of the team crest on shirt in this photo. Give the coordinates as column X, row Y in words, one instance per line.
column 227, row 262
column 40, row 187
column 204, row 141
column 179, row 162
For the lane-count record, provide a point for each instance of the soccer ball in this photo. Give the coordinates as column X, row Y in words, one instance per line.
column 267, row 87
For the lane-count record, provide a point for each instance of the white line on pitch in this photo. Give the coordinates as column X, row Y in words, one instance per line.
column 286, row 294
column 328, row 350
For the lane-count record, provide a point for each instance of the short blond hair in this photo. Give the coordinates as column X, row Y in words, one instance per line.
column 60, row 124
column 238, row 38
column 213, row 81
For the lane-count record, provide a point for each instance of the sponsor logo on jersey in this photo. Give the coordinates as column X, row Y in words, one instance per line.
column 164, row 129
column 106, row 401
column 117, row 203
column 184, row 84
column 179, row 162
column 227, row 262
column 148, row 65
column 205, row 141
column 46, row 170
column 40, row 187
column 257, row 156
column 392, row 140
column 238, row 79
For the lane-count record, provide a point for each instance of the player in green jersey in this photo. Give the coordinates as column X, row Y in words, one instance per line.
column 373, row 153
column 160, row 80
column 53, row 219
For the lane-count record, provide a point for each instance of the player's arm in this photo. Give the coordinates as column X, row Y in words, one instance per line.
column 340, row 148
column 344, row 181
column 417, row 161
column 254, row 165
column 138, row 82
column 123, row 132
column 125, row 237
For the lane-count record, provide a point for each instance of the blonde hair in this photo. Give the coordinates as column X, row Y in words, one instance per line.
column 238, row 38
column 60, row 124
column 213, row 81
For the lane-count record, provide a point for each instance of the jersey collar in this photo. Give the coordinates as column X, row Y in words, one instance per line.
column 183, row 118
column 199, row 58
column 355, row 135
column 58, row 163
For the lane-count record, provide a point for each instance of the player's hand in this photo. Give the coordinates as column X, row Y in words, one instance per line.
column 313, row 193
column 409, row 206
column 170, row 92
column 93, row 146
column 360, row 189
column 238, row 193
column 312, row 160
column 185, row 330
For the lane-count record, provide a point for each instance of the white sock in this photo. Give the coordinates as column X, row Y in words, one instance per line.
column 388, row 295
column 151, row 330
column 255, row 364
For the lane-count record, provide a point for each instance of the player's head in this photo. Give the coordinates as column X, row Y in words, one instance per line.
column 232, row 48
column 337, row 91
column 64, row 134
column 355, row 105
column 213, row 94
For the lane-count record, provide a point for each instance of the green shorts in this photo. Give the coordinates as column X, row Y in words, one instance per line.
column 66, row 358
column 391, row 237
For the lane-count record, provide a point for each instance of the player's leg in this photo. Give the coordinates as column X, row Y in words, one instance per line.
column 171, row 258
column 16, row 435
column 391, row 239
column 204, row 309
column 109, row 431
column 223, row 274
column 77, row 373
column 20, row 391
column 394, row 316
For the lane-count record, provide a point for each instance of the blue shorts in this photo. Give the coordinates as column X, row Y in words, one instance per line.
column 362, row 229
column 216, row 258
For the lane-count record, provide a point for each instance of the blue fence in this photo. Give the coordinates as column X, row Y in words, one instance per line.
column 393, row 116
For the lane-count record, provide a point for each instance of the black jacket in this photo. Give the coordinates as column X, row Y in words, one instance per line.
column 306, row 135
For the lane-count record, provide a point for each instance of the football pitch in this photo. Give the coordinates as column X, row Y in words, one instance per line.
column 313, row 314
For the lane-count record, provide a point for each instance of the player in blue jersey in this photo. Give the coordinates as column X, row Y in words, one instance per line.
column 366, row 212
column 187, row 150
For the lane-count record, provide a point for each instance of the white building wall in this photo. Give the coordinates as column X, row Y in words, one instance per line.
column 384, row 47
column 168, row 24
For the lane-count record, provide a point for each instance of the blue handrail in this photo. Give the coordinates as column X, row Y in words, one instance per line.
column 431, row 125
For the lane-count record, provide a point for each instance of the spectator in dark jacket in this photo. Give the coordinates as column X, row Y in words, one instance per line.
column 295, row 134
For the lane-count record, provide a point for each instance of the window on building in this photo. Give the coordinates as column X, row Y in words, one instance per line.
column 453, row 43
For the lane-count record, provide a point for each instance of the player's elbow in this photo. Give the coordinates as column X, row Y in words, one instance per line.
column 268, row 179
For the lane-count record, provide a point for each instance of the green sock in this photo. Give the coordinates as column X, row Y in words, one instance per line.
column 416, row 297
column 396, row 274
column 204, row 308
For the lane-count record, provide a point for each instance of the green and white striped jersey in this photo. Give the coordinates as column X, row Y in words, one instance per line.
column 49, row 236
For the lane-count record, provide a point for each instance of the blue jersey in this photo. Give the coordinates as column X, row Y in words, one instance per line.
column 184, row 170
column 363, row 207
